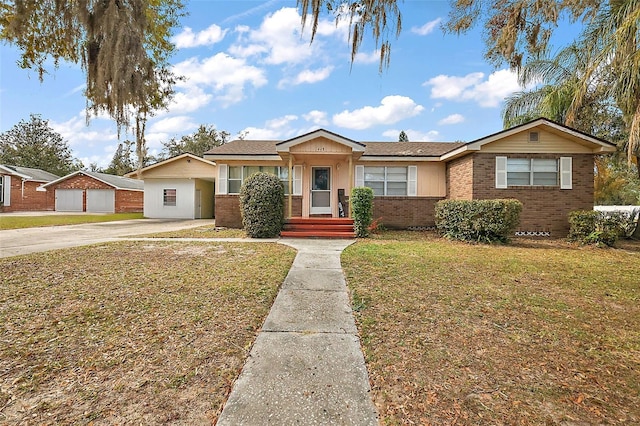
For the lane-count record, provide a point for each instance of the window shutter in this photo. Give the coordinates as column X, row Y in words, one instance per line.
column 297, row 180
column 501, row 172
column 7, row 190
column 359, row 176
column 566, row 173
column 412, row 184
column 223, row 187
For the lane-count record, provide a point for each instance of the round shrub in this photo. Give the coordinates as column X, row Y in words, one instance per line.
column 486, row 221
column 361, row 209
column 262, row 205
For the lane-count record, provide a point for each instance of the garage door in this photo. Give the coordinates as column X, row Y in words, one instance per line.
column 101, row 200
column 69, row 200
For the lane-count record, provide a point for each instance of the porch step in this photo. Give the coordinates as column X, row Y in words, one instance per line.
column 317, row 227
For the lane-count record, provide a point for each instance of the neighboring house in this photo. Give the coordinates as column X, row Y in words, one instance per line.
column 18, row 188
column 181, row 187
column 547, row 166
column 94, row 192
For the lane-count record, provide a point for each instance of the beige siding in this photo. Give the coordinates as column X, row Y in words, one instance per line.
column 548, row 143
column 320, row 146
column 183, row 168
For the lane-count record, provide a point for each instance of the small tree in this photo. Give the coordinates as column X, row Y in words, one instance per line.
column 262, row 205
column 205, row 138
column 362, row 210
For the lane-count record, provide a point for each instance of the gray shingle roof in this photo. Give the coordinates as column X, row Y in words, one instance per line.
column 116, row 181
column 34, row 174
column 387, row 149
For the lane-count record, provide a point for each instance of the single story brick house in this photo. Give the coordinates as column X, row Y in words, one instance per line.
column 547, row 166
column 85, row 191
column 19, row 188
column 180, row 187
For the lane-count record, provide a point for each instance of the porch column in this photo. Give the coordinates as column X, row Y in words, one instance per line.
column 290, row 186
column 350, row 183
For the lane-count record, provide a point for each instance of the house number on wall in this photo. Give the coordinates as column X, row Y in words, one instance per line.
column 320, row 148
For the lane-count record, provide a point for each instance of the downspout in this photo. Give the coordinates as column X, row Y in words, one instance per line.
column 22, row 187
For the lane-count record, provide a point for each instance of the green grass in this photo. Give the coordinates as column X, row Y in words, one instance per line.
column 141, row 332
column 533, row 333
column 18, row 222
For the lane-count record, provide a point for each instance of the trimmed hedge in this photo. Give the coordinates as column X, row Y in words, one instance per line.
column 262, row 205
column 478, row 220
column 361, row 209
column 600, row 228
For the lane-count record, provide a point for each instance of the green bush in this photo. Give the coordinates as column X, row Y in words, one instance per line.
column 600, row 228
column 262, row 205
column 478, row 220
column 361, row 209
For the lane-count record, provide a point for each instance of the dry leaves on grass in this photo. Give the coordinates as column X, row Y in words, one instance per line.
column 131, row 332
column 200, row 232
column 535, row 333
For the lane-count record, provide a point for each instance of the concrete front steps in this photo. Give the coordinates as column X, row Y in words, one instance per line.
column 318, row 227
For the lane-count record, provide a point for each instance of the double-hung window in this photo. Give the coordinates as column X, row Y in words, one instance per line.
column 169, row 197
column 533, row 172
column 386, row 180
column 238, row 174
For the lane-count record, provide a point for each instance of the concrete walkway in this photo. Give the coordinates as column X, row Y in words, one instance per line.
column 306, row 366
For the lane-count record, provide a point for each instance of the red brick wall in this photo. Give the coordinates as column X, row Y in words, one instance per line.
column 405, row 212
column 460, row 178
column 228, row 214
column 544, row 208
column 129, row 201
column 27, row 200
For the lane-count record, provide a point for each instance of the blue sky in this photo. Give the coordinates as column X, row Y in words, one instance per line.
column 249, row 68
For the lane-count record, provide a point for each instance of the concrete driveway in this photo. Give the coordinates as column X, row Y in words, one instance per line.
column 14, row 242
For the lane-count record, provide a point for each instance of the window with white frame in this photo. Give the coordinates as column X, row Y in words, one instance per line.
column 534, row 172
column 169, row 197
column 238, row 174
column 386, row 180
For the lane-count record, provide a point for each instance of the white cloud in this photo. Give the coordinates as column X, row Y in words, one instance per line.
column 316, row 117
column 367, row 58
column 175, row 125
column 187, row 38
column 452, row 119
column 413, row 135
column 426, row 28
column 473, row 87
column 227, row 76
column 275, row 129
column 192, row 99
column 76, row 132
column 307, row 77
column 280, row 39
column 391, row 110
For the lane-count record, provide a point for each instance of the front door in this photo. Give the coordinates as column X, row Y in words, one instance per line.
column 320, row 190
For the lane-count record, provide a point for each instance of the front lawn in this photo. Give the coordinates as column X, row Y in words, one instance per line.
column 209, row 231
column 131, row 332
column 17, row 222
column 534, row 333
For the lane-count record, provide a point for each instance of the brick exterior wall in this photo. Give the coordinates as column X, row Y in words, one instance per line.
column 405, row 212
column 228, row 210
column 544, row 208
column 29, row 200
column 125, row 201
column 460, row 178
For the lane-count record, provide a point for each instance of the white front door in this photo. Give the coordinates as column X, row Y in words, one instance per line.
column 320, row 190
